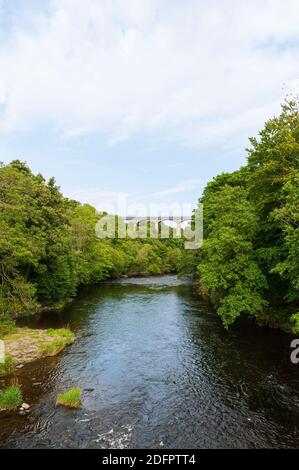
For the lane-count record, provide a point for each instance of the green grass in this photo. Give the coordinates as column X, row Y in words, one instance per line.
column 11, row 398
column 70, row 399
column 61, row 338
column 55, row 347
column 64, row 333
column 7, row 326
column 7, row 367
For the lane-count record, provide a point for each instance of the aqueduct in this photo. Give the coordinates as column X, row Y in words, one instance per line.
column 157, row 220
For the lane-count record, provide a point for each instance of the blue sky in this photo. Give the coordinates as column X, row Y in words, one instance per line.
column 146, row 99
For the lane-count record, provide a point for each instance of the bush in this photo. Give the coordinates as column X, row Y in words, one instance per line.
column 295, row 323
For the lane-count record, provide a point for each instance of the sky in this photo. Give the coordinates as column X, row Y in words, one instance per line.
column 141, row 101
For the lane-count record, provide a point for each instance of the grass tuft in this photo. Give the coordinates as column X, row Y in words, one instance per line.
column 70, row 399
column 7, row 367
column 64, row 333
column 11, row 398
column 7, row 326
column 61, row 338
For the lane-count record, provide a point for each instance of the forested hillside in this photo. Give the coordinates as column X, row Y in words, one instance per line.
column 48, row 246
column 249, row 260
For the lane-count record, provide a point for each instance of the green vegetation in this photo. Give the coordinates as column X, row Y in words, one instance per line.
column 61, row 338
column 26, row 345
column 249, row 260
column 64, row 333
column 49, row 247
column 70, row 399
column 7, row 367
column 7, row 326
column 248, row 263
column 11, row 398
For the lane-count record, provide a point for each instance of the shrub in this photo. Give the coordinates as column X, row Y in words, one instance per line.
column 295, row 323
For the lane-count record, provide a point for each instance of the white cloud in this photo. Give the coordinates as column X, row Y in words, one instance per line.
column 179, row 188
column 108, row 201
column 136, row 202
column 2, row 93
column 193, row 71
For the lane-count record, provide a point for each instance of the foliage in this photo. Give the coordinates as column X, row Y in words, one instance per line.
column 11, row 398
column 295, row 323
column 7, row 326
column 7, row 367
column 250, row 255
column 64, row 333
column 49, row 246
column 62, row 337
column 70, row 399
column 248, row 263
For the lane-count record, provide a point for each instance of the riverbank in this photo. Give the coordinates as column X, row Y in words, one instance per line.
column 59, row 307
column 25, row 345
column 155, row 366
column 285, row 319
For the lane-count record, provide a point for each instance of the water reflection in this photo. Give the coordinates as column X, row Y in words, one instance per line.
column 158, row 370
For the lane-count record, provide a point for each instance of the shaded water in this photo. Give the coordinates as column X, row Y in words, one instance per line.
column 158, row 370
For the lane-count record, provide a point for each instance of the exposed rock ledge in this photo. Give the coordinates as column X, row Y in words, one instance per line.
column 25, row 345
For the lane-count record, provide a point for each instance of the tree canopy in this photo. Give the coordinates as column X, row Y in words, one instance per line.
column 49, row 247
column 249, row 260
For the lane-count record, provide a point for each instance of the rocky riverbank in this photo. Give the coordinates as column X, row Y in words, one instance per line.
column 25, row 345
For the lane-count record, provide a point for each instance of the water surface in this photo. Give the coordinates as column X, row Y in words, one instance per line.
column 158, row 370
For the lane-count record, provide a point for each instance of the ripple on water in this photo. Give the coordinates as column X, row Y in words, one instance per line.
column 158, row 369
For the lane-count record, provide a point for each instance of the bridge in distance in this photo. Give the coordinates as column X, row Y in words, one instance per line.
column 156, row 220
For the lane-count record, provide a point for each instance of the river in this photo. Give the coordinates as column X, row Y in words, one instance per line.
column 158, row 370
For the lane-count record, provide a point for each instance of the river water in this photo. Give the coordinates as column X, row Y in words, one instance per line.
column 158, row 370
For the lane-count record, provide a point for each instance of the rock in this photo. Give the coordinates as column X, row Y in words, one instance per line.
column 25, row 406
column 26, row 345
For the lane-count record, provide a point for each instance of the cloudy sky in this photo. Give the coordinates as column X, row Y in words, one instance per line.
column 147, row 99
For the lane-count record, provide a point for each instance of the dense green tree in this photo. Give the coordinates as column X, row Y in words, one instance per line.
column 250, row 256
column 248, row 263
column 49, row 245
column 229, row 273
column 287, row 216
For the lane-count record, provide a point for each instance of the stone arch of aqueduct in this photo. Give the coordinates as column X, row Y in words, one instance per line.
column 156, row 221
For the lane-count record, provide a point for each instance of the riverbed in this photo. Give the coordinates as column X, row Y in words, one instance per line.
column 157, row 370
